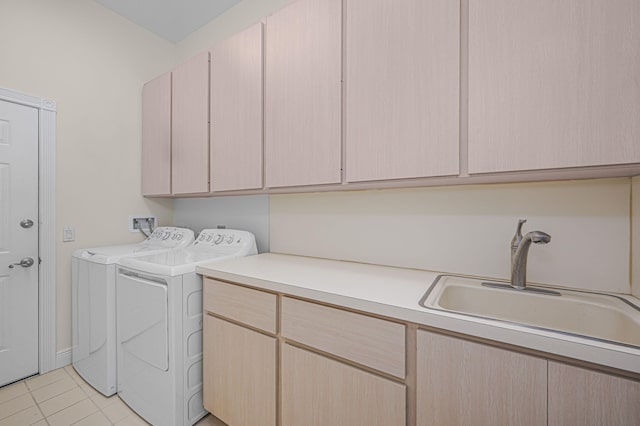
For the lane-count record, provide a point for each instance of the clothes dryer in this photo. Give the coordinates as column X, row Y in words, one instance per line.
column 93, row 284
column 159, row 318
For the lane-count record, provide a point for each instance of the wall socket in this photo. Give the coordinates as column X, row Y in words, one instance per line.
column 142, row 221
column 68, row 234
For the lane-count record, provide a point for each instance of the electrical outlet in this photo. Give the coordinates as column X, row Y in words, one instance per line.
column 68, row 234
column 142, row 221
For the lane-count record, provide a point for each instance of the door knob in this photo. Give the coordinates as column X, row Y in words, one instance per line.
column 25, row 263
column 26, row 223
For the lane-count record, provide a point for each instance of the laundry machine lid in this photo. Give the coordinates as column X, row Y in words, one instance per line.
column 162, row 239
column 211, row 245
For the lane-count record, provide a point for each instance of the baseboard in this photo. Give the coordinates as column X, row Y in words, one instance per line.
column 63, row 358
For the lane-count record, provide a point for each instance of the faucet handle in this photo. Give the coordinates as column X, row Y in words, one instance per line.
column 517, row 238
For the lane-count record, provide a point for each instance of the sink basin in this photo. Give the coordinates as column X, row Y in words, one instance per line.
column 597, row 316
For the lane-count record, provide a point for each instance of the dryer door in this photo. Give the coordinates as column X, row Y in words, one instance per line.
column 143, row 319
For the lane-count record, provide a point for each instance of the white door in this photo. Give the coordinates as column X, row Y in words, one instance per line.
column 18, row 241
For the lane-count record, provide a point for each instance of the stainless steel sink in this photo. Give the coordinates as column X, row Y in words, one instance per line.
column 598, row 316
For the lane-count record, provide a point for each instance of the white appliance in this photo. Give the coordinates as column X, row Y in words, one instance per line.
column 93, row 283
column 159, row 317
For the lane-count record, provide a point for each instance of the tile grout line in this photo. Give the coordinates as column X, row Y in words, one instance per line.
column 25, row 409
column 43, row 386
column 13, row 398
column 70, row 390
column 19, row 411
column 73, row 405
column 87, row 395
column 38, row 406
column 77, row 385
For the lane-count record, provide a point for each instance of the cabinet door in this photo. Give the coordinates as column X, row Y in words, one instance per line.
column 402, row 88
column 553, row 84
column 464, row 383
column 236, row 112
column 239, row 374
column 156, row 136
column 582, row 397
column 190, row 126
column 318, row 391
column 303, row 94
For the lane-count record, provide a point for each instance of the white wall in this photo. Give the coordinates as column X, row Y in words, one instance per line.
column 93, row 63
column 248, row 212
column 635, row 236
column 468, row 229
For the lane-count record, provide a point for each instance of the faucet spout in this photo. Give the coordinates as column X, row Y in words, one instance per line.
column 519, row 257
column 517, row 238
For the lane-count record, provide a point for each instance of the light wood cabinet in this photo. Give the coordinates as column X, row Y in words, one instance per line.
column 373, row 342
column 190, row 126
column 236, row 112
column 464, row 92
column 156, row 136
column 553, row 84
column 318, row 391
column 240, row 364
column 402, row 73
column 582, row 397
column 462, row 382
column 306, row 363
column 303, row 94
column 239, row 374
column 254, row 308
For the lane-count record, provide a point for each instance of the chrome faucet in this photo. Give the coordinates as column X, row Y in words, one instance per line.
column 520, row 251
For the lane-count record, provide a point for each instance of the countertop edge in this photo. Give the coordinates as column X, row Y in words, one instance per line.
column 608, row 355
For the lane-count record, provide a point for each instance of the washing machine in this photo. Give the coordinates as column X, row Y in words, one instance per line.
column 159, row 318
column 93, row 283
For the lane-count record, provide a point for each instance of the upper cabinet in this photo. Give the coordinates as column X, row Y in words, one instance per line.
column 190, row 126
column 553, row 84
column 156, row 136
column 303, row 94
column 236, row 112
column 402, row 62
column 354, row 94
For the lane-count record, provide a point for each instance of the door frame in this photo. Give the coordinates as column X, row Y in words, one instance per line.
column 47, row 223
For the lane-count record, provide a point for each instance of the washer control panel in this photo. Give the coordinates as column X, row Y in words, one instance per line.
column 223, row 237
column 171, row 236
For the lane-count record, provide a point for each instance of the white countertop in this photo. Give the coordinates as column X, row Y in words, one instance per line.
column 395, row 293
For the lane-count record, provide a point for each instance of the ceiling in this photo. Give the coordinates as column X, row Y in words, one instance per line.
column 172, row 20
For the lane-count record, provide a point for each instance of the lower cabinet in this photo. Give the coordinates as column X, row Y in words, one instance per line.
column 270, row 360
column 582, row 397
column 465, row 383
column 239, row 373
column 317, row 390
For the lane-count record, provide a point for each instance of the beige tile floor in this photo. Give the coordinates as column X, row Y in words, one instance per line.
column 62, row 398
